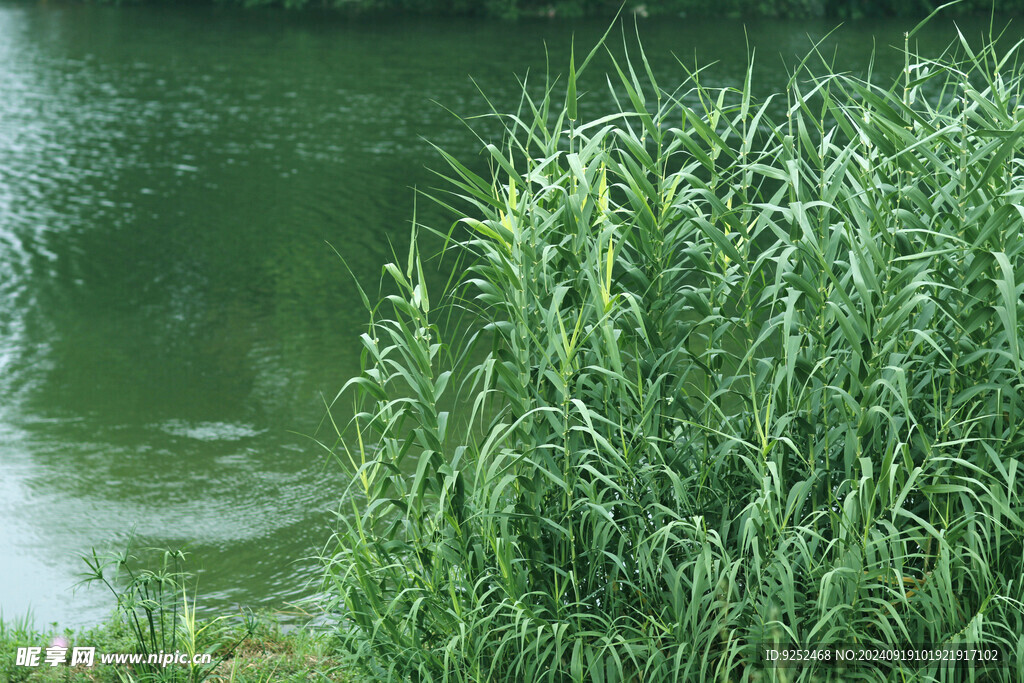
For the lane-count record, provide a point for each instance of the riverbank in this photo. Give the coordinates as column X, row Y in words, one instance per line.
column 257, row 650
column 170, row 312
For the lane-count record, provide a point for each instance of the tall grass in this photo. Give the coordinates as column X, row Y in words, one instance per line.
column 724, row 380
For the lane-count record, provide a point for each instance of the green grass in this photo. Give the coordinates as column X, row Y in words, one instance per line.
column 717, row 378
column 155, row 613
column 270, row 652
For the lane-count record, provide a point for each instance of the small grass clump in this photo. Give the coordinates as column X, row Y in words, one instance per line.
column 272, row 652
column 721, row 381
column 155, row 606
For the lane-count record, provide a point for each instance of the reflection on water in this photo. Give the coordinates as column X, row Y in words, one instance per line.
column 170, row 310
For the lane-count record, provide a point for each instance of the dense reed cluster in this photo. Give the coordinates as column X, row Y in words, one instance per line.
column 721, row 379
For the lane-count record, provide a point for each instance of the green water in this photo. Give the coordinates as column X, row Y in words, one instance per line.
column 171, row 314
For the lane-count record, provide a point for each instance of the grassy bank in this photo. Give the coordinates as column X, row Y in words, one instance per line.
column 266, row 652
column 155, row 614
column 720, row 381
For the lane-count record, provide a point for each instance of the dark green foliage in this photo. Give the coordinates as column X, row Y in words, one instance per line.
column 568, row 9
column 721, row 381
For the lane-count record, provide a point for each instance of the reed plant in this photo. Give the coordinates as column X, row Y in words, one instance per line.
column 723, row 379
